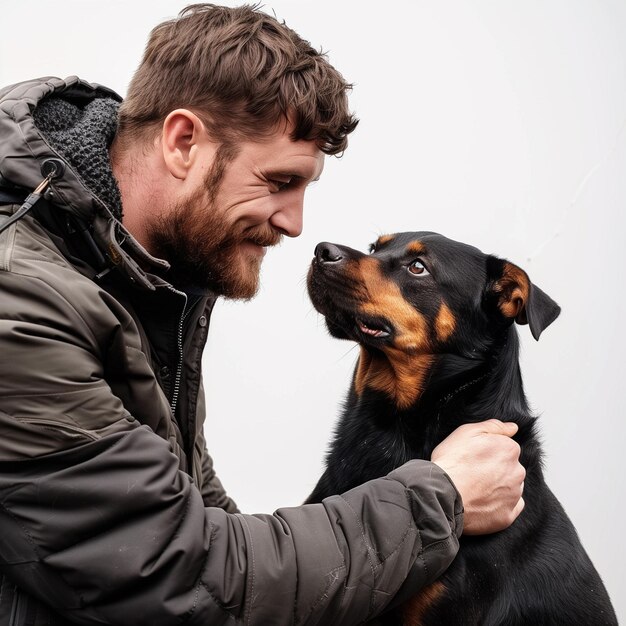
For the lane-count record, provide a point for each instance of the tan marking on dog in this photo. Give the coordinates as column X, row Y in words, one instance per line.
column 414, row 611
column 398, row 375
column 514, row 288
column 445, row 322
column 400, row 369
column 383, row 239
column 417, row 247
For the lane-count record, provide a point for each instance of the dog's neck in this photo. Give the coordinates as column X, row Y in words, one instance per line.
column 478, row 388
column 399, row 376
column 420, row 387
column 377, row 435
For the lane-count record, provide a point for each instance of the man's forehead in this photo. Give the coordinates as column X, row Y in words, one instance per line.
column 300, row 158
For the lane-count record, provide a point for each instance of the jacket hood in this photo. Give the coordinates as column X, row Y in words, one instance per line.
column 74, row 121
column 49, row 118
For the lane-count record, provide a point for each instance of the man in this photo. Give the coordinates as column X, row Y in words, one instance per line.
column 111, row 512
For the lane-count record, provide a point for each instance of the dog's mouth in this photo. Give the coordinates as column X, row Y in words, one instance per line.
column 367, row 331
column 339, row 301
column 373, row 329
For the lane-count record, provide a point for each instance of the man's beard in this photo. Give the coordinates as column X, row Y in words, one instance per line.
column 204, row 248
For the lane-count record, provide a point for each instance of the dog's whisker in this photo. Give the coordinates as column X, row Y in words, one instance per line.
column 343, row 356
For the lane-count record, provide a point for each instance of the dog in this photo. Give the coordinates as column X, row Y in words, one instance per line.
column 435, row 320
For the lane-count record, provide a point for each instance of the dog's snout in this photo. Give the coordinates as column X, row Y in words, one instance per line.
column 328, row 253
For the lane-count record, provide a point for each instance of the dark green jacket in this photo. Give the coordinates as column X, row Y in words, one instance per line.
column 110, row 512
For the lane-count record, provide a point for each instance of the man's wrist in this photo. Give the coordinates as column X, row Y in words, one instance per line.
column 433, row 489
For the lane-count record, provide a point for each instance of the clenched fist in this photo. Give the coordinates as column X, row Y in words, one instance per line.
column 483, row 462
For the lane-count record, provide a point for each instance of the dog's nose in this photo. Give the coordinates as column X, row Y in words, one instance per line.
column 327, row 253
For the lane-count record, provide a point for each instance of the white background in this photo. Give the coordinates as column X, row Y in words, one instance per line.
column 501, row 124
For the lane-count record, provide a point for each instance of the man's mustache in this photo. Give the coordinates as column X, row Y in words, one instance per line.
column 264, row 236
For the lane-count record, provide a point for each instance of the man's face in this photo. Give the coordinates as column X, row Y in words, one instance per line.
column 216, row 237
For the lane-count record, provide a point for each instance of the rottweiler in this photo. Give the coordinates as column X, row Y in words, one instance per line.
column 435, row 320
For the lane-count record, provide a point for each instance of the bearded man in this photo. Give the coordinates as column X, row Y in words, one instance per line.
column 120, row 224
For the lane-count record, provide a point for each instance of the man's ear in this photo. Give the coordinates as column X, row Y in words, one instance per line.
column 518, row 298
column 182, row 135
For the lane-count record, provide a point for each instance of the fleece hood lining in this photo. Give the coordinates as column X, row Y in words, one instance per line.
column 82, row 133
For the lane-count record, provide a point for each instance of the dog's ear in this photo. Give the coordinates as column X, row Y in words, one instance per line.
column 518, row 298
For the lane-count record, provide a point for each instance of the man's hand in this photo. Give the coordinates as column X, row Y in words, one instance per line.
column 483, row 462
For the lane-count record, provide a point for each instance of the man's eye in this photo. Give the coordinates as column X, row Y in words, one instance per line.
column 281, row 184
column 417, row 268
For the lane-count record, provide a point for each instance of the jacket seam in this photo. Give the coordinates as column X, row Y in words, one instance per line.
column 28, row 536
column 437, row 544
column 421, row 556
column 411, row 525
column 175, row 534
column 369, row 550
column 55, row 429
column 248, row 610
column 107, row 447
column 59, row 393
column 363, row 536
column 217, row 603
column 65, row 265
column 401, row 540
column 296, row 595
column 7, row 256
column 202, row 584
column 332, row 578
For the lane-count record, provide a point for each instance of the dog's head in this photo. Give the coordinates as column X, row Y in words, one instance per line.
column 416, row 296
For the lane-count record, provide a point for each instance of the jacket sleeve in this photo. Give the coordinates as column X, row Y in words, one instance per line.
column 99, row 523
column 213, row 492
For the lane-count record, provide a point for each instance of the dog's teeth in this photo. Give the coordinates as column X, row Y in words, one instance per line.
column 371, row 331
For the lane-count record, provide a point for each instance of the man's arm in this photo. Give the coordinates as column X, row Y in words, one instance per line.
column 111, row 532
column 99, row 523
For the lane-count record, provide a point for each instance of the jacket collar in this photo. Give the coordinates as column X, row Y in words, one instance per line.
column 90, row 196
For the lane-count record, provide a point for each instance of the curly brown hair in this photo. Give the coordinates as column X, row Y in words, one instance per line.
column 242, row 72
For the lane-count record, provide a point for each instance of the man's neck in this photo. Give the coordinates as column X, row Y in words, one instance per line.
column 138, row 182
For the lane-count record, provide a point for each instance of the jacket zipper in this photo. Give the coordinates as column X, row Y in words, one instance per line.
column 15, row 609
column 179, row 367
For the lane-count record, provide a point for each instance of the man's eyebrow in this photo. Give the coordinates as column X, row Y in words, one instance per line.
column 286, row 173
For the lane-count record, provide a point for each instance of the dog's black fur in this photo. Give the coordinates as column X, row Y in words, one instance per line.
column 464, row 347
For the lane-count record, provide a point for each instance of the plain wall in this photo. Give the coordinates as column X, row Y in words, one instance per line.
column 501, row 124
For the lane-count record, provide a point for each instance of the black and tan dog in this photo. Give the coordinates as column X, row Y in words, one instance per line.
column 434, row 319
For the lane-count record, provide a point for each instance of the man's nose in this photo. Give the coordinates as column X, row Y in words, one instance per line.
column 288, row 218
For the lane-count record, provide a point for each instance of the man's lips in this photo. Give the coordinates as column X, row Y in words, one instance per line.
column 254, row 247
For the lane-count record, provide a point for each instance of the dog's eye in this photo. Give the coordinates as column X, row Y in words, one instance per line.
column 417, row 268
column 372, row 248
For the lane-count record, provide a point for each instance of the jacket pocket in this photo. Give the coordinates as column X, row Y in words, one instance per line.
column 32, row 436
column 69, row 429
